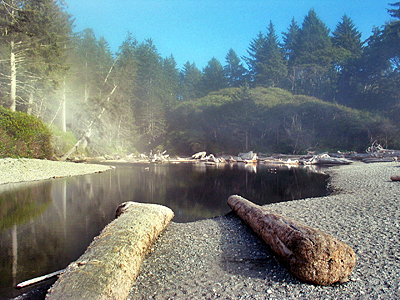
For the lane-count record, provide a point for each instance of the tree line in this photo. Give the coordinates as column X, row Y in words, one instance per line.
column 128, row 99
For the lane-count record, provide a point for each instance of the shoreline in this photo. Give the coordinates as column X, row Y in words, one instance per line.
column 15, row 170
column 221, row 258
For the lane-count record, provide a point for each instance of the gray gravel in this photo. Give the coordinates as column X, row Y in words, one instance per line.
column 17, row 170
column 220, row 258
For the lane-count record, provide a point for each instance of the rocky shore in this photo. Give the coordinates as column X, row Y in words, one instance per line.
column 221, row 258
column 14, row 170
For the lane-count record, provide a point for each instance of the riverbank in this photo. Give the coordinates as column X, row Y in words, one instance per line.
column 14, row 170
column 221, row 258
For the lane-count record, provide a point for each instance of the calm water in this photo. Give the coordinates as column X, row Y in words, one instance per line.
column 47, row 224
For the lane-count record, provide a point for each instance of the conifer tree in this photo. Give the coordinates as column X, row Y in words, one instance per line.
column 314, row 56
column 290, row 42
column 170, row 81
column 149, row 106
column 266, row 61
column 189, row 82
column 213, row 78
column 347, row 36
column 347, row 45
column 273, row 65
column 255, row 57
column 234, row 70
column 36, row 33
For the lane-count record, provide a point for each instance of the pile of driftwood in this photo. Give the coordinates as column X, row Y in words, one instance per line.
column 374, row 153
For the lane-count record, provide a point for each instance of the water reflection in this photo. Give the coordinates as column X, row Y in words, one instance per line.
column 45, row 225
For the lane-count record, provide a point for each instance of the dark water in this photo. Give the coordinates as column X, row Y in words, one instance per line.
column 47, row 224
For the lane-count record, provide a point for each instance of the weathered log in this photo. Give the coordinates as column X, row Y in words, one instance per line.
column 110, row 265
column 310, row 254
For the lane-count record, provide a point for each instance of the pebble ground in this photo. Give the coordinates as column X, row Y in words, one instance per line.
column 221, row 258
column 14, row 170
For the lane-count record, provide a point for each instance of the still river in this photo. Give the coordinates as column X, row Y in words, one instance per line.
column 47, row 224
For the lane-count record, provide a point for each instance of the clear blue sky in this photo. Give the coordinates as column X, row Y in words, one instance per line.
column 197, row 30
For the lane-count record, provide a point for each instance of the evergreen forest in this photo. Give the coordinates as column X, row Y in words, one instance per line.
column 308, row 88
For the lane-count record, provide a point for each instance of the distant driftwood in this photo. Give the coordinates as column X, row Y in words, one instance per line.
column 110, row 265
column 310, row 254
column 395, row 178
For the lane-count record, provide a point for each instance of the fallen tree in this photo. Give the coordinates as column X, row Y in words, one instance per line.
column 310, row 254
column 110, row 265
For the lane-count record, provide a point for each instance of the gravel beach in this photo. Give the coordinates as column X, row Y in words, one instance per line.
column 221, row 258
column 18, row 170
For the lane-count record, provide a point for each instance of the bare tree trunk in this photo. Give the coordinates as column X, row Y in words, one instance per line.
column 63, row 112
column 89, row 128
column 30, row 103
column 13, row 76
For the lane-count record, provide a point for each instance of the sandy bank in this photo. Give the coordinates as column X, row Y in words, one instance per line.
column 220, row 258
column 18, row 170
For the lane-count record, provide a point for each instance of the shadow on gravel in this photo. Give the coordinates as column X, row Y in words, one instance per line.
column 244, row 254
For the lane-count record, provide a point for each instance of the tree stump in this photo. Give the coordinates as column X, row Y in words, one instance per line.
column 110, row 265
column 310, row 254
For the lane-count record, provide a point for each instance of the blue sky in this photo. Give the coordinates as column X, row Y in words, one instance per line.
column 197, row 30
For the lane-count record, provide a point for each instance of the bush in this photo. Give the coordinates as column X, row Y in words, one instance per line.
column 22, row 135
column 62, row 141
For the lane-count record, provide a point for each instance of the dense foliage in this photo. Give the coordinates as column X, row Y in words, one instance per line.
column 137, row 100
column 273, row 120
column 22, row 135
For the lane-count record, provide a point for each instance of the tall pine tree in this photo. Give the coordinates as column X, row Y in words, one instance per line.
column 234, row 70
column 189, row 82
column 35, row 33
column 213, row 78
column 290, row 42
column 273, row 65
column 347, row 45
column 314, row 56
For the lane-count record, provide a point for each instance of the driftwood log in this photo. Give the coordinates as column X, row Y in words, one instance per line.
column 110, row 265
column 395, row 178
column 310, row 254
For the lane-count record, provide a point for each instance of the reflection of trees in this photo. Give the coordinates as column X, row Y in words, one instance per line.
column 197, row 191
column 22, row 205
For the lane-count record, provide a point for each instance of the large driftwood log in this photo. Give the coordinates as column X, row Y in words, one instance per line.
column 110, row 265
column 310, row 254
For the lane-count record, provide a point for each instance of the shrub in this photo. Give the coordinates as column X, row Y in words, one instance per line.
column 62, row 141
column 22, row 135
